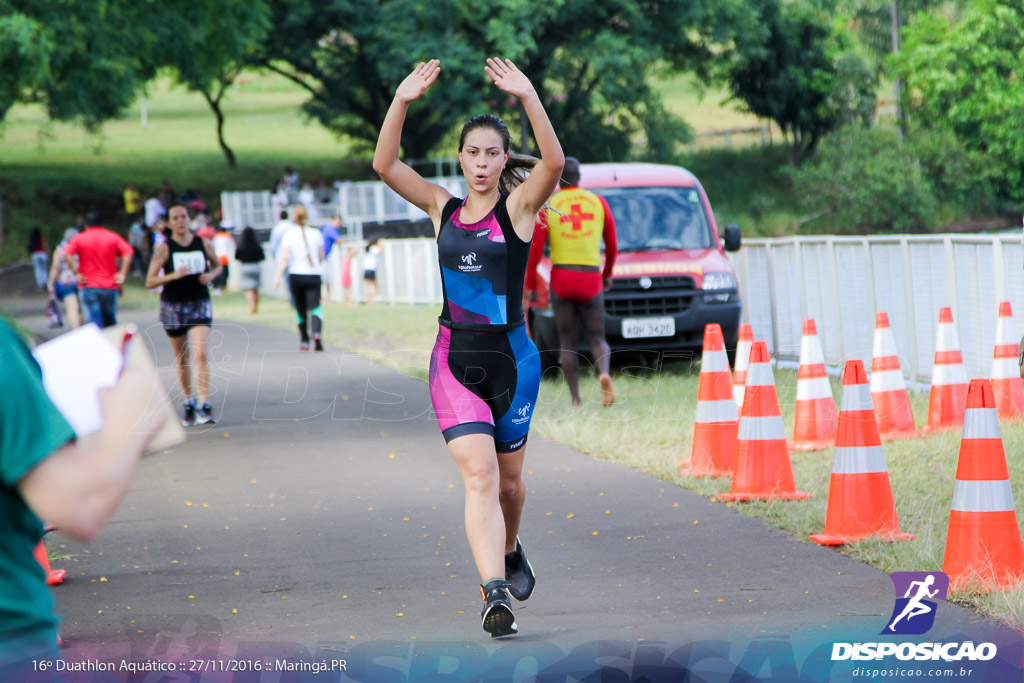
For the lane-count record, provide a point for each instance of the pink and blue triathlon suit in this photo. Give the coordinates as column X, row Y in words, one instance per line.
column 484, row 371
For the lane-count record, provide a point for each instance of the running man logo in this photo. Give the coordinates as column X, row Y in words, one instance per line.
column 469, row 258
column 913, row 614
column 525, row 410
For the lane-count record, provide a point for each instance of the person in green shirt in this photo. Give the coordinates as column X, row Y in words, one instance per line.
column 46, row 475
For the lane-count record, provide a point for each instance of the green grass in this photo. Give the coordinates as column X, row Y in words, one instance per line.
column 650, row 427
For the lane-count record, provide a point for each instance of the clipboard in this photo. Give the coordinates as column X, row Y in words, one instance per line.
column 77, row 365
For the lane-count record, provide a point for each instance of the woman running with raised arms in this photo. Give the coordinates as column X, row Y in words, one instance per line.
column 484, row 370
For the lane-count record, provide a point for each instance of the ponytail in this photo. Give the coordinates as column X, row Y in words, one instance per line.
column 514, row 172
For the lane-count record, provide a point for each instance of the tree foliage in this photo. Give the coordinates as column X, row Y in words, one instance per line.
column 862, row 181
column 966, row 76
column 589, row 61
column 207, row 43
column 82, row 61
column 797, row 71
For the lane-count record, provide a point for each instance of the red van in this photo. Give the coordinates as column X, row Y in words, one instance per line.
column 671, row 277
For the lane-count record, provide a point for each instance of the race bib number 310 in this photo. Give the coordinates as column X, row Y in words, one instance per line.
column 195, row 261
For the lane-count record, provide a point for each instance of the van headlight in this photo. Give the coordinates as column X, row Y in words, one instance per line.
column 713, row 281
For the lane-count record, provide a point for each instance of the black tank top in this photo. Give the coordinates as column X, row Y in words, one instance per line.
column 193, row 256
column 483, row 266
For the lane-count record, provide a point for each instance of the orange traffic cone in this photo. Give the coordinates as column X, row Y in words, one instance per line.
column 739, row 376
column 983, row 546
column 948, row 396
column 53, row 576
column 814, row 427
column 718, row 421
column 1007, row 385
column 763, row 470
column 888, row 387
column 860, row 502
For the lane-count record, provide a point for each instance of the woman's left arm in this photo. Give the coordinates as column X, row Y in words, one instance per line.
column 211, row 256
column 527, row 199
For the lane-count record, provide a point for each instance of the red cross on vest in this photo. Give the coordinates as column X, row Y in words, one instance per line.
column 576, row 217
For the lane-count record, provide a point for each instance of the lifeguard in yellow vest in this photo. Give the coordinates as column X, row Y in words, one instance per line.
column 576, row 225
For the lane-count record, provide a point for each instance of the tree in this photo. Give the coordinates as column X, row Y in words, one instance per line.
column 83, row 61
column 798, row 72
column 965, row 76
column 589, row 61
column 207, row 43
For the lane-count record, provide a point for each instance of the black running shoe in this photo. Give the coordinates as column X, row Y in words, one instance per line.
column 519, row 574
column 496, row 617
column 189, row 417
column 205, row 415
column 317, row 344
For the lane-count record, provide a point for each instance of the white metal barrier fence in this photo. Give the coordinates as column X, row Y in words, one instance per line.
column 356, row 203
column 842, row 282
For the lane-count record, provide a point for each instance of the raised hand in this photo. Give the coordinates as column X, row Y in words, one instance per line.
column 508, row 78
column 416, row 83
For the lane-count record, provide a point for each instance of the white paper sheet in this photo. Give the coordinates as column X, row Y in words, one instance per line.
column 75, row 367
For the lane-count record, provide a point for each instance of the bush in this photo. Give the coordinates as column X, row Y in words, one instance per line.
column 864, row 180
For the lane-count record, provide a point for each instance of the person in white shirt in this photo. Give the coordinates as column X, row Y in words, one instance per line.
column 277, row 234
column 154, row 210
column 302, row 255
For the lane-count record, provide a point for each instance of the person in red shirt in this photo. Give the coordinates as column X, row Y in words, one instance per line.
column 576, row 224
column 97, row 270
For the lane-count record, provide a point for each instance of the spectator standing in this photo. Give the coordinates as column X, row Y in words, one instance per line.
column 370, row 269
column 331, row 234
column 224, row 247
column 346, row 276
column 578, row 221
column 47, row 475
column 136, row 238
column 186, row 311
column 62, row 283
column 153, row 210
column 131, row 201
column 250, row 255
column 302, row 256
column 290, row 179
column 207, row 231
column 39, row 254
column 97, row 271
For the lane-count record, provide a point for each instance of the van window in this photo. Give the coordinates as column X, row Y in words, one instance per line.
column 655, row 218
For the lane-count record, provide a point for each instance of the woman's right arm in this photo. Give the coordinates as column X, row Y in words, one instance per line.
column 397, row 175
column 159, row 260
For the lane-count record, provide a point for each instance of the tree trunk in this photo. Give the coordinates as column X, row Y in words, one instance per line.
column 214, row 103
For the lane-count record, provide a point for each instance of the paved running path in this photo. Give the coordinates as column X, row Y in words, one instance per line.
column 321, row 517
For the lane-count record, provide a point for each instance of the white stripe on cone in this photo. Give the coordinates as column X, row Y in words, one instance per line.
column 810, row 350
column 858, row 460
column 884, row 343
column 760, row 375
column 714, row 361
column 717, row 411
column 812, row 388
column 887, row 380
column 1003, row 335
column 738, row 390
column 1005, row 368
column 983, row 496
column 944, row 374
column 761, row 428
column 981, row 423
column 855, row 397
column 946, row 338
